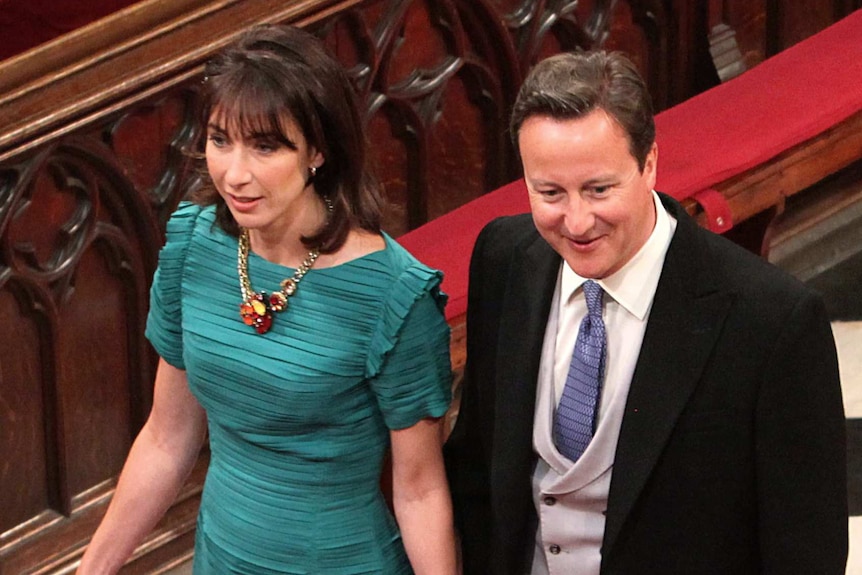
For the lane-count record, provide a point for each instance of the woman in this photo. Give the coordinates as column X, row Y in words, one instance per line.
column 305, row 341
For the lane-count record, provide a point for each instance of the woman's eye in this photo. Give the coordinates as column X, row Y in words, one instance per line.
column 267, row 146
column 218, row 140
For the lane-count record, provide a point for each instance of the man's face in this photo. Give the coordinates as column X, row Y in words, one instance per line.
column 589, row 199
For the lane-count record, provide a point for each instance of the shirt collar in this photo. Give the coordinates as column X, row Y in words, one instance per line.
column 632, row 286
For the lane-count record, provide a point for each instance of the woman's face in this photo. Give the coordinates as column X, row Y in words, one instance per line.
column 261, row 177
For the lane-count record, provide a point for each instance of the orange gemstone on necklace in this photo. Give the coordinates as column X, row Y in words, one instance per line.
column 247, row 312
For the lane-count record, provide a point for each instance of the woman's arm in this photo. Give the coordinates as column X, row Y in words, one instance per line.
column 421, row 498
column 158, row 464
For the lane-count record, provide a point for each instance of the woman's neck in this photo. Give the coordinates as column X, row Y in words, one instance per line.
column 281, row 242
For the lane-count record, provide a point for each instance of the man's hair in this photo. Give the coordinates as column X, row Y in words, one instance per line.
column 573, row 84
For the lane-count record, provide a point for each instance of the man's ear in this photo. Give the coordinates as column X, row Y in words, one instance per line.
column 651, row 165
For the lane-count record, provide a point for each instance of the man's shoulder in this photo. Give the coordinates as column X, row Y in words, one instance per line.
column 509, row 230
column 742, row 271
column 502, row 238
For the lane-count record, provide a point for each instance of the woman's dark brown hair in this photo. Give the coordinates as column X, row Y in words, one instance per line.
column 273, row 73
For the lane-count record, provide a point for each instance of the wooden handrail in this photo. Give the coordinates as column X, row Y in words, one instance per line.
column 115, row 62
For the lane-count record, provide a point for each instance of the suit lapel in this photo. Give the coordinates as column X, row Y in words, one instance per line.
column 685, row 321
column 530, row 288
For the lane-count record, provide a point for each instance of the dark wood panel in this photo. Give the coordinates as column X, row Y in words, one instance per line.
column 79, row 247
column 748, row 20
column 27, row 471
column 789, row 22
column 97, row 427
column 435, row 96
column 763, row 28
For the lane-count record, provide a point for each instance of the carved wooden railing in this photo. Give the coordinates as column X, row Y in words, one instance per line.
column 92, row 132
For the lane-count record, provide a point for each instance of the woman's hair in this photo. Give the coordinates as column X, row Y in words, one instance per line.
column 573, row 84
column 278, row 73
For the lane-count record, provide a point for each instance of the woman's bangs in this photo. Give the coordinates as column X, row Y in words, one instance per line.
column 242, row 106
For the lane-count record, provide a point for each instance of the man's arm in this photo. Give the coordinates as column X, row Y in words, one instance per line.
column 466, row 451
column 801, row 450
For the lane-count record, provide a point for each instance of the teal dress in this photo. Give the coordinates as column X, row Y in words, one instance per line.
column 299, row 417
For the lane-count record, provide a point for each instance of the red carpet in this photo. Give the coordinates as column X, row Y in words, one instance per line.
column 729, row 129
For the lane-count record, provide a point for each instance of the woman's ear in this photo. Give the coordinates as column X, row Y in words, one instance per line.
column 317, row 159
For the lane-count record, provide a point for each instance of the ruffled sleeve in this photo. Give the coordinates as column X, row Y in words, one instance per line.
column 409, row 366
column 164, row 323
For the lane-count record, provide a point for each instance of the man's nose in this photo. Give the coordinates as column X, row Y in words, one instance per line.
column 579, row 218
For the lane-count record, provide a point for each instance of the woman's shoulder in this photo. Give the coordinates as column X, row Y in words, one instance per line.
column 191, row 222
column 413, row 277
column 405, row 264
column 362, row 243
column 189, row 216
column 381, row 262
column 191, row 228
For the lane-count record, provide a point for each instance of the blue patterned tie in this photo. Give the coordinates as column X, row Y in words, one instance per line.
column 574, row 421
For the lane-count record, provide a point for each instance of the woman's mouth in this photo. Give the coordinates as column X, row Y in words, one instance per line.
column 243, row 204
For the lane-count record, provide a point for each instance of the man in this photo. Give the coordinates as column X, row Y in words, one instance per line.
column 640, row 395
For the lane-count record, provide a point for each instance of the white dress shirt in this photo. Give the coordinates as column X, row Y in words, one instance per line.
column 571, row 498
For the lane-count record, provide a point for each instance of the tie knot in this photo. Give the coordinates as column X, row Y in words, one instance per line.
column 593, row 293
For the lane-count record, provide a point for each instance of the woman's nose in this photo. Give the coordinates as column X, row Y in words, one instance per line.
column 237, row 172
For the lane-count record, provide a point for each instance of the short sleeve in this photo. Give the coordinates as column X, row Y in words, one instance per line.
column 409, row 367
column 164, row 323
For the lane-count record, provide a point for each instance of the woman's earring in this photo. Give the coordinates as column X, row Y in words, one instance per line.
column 312, row 171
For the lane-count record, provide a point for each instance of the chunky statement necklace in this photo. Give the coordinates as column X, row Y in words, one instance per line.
column 256, row 308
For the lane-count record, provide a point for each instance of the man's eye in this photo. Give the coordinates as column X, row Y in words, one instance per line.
column 548, row 193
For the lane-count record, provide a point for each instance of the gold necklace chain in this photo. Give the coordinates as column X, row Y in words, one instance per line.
column 256, row 308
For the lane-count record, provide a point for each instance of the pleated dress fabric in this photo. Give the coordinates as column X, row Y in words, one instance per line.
column 299, row 417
